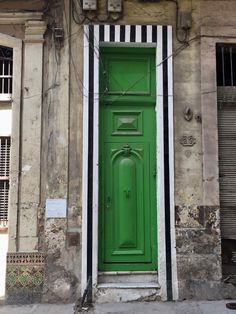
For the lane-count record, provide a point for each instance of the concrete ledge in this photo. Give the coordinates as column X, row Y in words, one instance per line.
column 107, row 294
column 131, row 285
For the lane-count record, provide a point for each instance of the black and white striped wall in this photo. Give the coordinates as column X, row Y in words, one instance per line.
column 136, row 36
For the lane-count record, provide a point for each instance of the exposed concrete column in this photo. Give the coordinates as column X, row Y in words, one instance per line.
column 31, row 136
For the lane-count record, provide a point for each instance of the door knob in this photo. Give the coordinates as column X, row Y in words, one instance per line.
column 127, row 193
column 108, row 202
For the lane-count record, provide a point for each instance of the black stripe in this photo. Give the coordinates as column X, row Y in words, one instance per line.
column 90, row 163
column 166, row 168
column 101, row 33
column 122, row 33
column 112, row 32
column 132, row 33
column 154, row 33
column 144, row 33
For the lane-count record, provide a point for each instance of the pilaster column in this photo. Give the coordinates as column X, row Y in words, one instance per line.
column 31, row 135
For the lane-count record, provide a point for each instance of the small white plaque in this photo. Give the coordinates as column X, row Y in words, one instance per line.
column 56, row 208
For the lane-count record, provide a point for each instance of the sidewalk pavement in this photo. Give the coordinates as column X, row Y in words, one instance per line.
column 185, row 307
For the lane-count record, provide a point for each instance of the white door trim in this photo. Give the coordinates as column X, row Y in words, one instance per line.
column 137, row 36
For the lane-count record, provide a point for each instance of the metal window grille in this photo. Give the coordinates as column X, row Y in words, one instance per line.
column 226, row 90
column 4, row 179
column 226, row 81
column 6, row 73
column 226, row 64
column 227, row 161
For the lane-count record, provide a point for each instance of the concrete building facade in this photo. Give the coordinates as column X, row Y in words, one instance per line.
column 99, row 89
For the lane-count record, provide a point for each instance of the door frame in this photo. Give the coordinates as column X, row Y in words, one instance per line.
column 146, row 36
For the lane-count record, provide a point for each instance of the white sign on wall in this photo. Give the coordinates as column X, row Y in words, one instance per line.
column 55, row 208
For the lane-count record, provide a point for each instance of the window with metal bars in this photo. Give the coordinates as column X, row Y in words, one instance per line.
column 226, row 64
column 226, row 94
column 6, row 72
column 5, row 142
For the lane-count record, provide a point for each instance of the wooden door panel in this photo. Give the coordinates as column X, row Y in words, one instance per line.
column 136, row 69
column 127, row 221
column 127, row 122
column 127, row 187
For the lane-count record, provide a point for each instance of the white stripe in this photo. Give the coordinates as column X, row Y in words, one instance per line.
column 107, row 33
column 138, row 34
column 160, row 169
column 96, row 39
column 127, row 33
column 149, row 33
column 95, row 154
column 171, row 163
column 117, row 33
column 85, row 163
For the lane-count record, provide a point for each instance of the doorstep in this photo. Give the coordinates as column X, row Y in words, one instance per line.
column 127, row 286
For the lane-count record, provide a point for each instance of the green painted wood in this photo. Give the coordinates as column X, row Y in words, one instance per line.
column 127, row 137
column 127, row 200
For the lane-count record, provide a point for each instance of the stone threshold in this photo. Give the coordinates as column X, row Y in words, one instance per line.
column 127, row 285
column 128, row 280
column 131, row 272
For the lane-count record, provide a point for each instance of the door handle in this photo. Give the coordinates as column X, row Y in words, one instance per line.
column 127, row 193
column 108, row 202
column 154, row 173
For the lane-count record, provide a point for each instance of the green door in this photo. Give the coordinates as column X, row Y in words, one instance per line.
column 127, row 160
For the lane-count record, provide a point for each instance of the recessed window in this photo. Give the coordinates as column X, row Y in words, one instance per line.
column 226, row 64
column 6, row 72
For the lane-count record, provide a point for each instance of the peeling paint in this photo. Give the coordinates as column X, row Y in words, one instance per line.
column 26, row 168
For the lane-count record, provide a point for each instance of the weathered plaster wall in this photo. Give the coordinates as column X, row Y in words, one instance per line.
column 62, row 147
column 197, row 227
column 13, row 30
column 197, row 222
column 61, row 160
column 34, row 5
column 25, row 147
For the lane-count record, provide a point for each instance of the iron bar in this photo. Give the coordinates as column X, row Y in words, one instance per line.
column 223, row 65
column 231, row 65
column 226, row 64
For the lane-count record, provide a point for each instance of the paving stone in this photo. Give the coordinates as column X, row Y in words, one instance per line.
column 185, row 307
